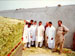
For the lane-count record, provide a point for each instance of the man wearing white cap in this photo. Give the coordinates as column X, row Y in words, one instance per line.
column 34, row 32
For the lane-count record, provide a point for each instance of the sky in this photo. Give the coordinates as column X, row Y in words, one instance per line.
column 15, row 4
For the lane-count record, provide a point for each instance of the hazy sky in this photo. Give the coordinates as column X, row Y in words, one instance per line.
column 13, row 4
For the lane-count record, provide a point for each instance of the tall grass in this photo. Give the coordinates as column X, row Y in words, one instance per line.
column 10, row 34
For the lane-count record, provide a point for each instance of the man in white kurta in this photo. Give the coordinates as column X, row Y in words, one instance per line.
column 25, row 36
column 50, row 34
column 40, row 34
column 34, row 26
column 31, row 21
column 29, row 33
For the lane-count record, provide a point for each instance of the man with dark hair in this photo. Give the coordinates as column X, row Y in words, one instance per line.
column 59, row 21
column 40, row 22
column 31, row 21
column 59, row 38
column 29, row 33
column 25, row 35
column 34, row 32
column 50, row 23
column 29, row 25
column 50, row 35
column 39, row 34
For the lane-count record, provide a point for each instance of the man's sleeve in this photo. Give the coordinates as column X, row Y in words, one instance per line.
column 54, row 32
column 65, row 29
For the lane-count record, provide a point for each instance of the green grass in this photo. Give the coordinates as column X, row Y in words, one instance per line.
column 71, row 54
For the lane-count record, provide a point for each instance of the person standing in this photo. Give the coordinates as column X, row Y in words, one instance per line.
column 34, row 32
column 29, row 33
column 31, row 21
column 40, row 35
column 25, row 36
column 59, row 38
column 50, row 35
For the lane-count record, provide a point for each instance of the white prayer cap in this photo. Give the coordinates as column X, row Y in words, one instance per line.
column 28, row 20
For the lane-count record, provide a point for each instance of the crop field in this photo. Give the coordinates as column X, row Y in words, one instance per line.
column 10, row 34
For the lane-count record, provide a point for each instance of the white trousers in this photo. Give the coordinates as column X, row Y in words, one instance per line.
column 29, row 44
column 33, row 42
column 51, row 45
column 25, row 45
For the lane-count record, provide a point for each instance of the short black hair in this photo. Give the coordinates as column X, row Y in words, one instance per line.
column 31, row 20
column 40, row 21
column 59, row 21
column 50, row 22
column 35, row 21
column 29, row 23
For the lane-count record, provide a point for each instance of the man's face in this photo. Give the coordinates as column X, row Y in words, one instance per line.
column 59, row 23
column 34, row 23
column 28, row 26
column 31, row 22
column 50, row 25
column 40, row 24
column 27, row 23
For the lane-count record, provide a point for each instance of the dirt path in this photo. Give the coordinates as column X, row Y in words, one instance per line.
column 40, row 52
column 18, row 51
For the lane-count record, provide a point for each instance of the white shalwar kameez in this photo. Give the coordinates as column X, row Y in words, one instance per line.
column 40, row 35
column 25, row 36
column 33, row 33
column 50, row 32
column 29, row 33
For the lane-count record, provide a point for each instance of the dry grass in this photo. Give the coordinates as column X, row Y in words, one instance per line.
column 41, row 52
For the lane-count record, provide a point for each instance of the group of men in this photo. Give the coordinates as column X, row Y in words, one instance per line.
column 38, row 35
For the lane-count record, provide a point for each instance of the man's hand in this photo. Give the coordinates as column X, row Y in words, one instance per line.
column 63, row 33
column 26, row 36
column 22, row 38
column 31, row 36
column 51, row 38
column 47, row 37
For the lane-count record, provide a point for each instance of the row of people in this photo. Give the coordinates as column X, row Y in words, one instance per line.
column 37, row 35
